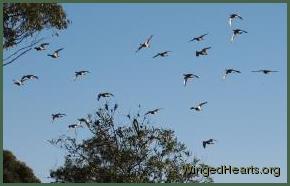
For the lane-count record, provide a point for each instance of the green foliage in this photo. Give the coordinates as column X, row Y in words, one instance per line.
column 23, row 20
column 134, row 152
column 15, row 171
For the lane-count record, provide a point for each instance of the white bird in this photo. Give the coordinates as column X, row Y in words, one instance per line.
column 229, row 71
column 234, row 16
column 237, row 32
column 186, row 77
column 55, row 54
column 41, row 47
column 145, row 44
column 198, row 107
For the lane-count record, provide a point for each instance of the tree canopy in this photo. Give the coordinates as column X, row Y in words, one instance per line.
column 15, row 171
column 129, row 151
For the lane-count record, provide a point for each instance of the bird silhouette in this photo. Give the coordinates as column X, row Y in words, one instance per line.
column 162, row 54
column 208, row 142
column 24, row 78
column 80, row 74
column 234, row 16
column 186, row 77
column 198, row 107
column 237, row 32
column 41, row 47
column 199, row 38
column 229, row 71
column 202, row 51
column 265, row 71
column 55, row 54
column 57, row 116
column 145, row 44
column 152, row 112
column 104, row 95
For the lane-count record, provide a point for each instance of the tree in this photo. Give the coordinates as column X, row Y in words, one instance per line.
column 15, row 171
column 114, row 152
column 23, row 21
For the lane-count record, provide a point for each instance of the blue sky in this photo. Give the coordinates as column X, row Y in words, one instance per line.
column 246, row 113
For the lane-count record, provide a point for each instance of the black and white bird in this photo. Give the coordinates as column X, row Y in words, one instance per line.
column 85, row 121
column 202, row 52
column 186, row 77
column 237, row 32
column 57, row 116
column 234, row 16
column 145, row 44
column 104, row 95
column 199, row 38
column 162, row 54
column 229, row 71
column 55, row 54
column 74, row 126
column 208, row 142
column 41, row 47
column 24, row 78
column 152, row 112
column 198, row 107
column 265, row 71
column 80, row 74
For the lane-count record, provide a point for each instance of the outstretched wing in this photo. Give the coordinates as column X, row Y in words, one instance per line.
column 58, row 50
column 203, row 103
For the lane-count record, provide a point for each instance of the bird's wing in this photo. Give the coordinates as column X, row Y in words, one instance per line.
column 203, row 103
column 196, row 76
column 58, row 50
column 156, row 55
column 240, row 17
column 203, row 35
column 257, row 71
column 44, row 44
column 149, row 39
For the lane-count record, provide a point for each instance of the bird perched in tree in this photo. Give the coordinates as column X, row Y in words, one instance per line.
column 198, row 107
column 186, row 77
column 199, row 38
column 229, row 71
column 80, row 74
column 41, row 47
column 152, row 112
column 237, row 32
column 145, row 44
column 24, row 78
column 208, row 142
column 104, row 95
column 57, row 116
column 55, row 54
column 265, row 71
column 202, row 52
column 162, row 54
column 234, row 16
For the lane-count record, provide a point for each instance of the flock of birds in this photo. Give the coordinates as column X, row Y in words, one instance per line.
column 146, row 44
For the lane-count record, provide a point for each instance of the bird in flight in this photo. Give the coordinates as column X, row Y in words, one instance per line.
column 208, row 142
column 41, row 47
column 162, row 54
column 229, row 71
column 265, row 71
column 24, row 78
column 152, row 112
column 57, row 116
column 199, row 38
column 237, row 32
column 186, row 77
column 104, row 95
column 80, row 74
column 145, row 44
column 202, row 52
column 234, row 16
column 55, row 54
column 198, row 107
column 74, row 126
column 85, row 121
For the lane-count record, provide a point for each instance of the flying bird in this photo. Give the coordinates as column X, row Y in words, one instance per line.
column 229, row 71
column 265, row 71
column 202, row 52
column 55, row 54
column 152, row 112
column 186, row 77
column 234, row 16
column 145, row 44
column 18, row 82
column 237, row 32
column 104, row 95
column 74, row 126
column 23, row 79
column 198, row 107
column 199, row 38
column 80, row 74
column 57, row 116
column 41, row 47
column 162, row 54
column 208, row 142
column 85, row 121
